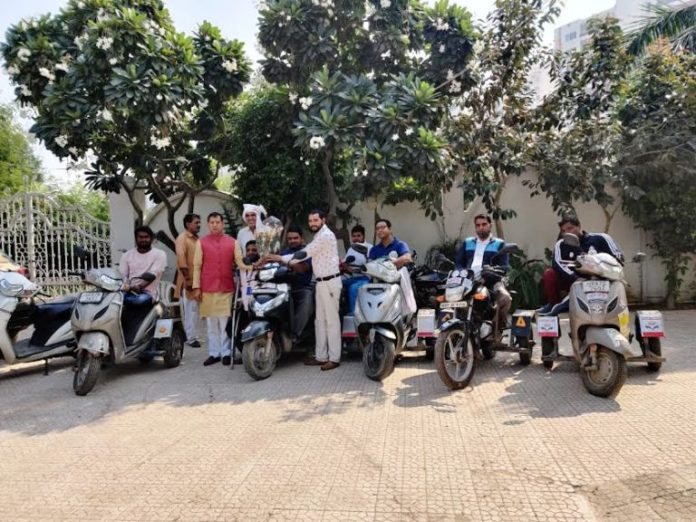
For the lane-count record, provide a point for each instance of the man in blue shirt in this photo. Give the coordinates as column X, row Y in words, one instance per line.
column 389, row 243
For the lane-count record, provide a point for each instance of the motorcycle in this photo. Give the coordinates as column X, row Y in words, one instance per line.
column 469, row 321
column 600, row 325
column 269, row 334
column 383, row 324
column 52, row 336
column 107, row 328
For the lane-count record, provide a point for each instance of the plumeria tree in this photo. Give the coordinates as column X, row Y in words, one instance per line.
column 113, row 82
column 494, row 132
column 372, row 85
column 578, row 134
column 658, row 154
column 19, row 167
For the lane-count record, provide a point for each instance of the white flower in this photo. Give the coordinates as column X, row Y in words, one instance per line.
column 160, row 143
column 113, row 61
column 455, row 87
column 305, row 102
column 105, row 42
column 442, row 48
column 12, row 70
column 80, row 41
column 61, row 140
column 292, row 96
column 62, row 66
column 364, row 172
column 80, row 5
column 288, row 17
column 43, row 71
column 23, row 54
column 106, row 115
column 73, row 151
column 316, row 142
column 478, row 47
column 230, row 65
column 450, row 74
column 409, row 131
column 441, row 25
column 355, row 173
column 395, row 137
column 159, row 97
column 26, row 91
column 386, row 54
column 385, row 4
column 370, row 75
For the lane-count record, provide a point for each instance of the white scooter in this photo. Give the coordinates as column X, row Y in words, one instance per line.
column 599, row 326
column 384, row 326
column 52, row 336
column 106, row 328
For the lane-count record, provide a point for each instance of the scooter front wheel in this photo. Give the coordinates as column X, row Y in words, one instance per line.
column 378, row 358
column 454, row 358
column 174, row 348
column 259, row 361
column 608, row 377
column 87, row 372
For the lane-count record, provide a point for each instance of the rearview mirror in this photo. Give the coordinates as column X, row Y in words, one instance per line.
column 251, row 259
column 571, row 240
column 639, row 257
column 148, row 277
column 299, row 255
column 350, row 259
column 360, row 248
column 509, row 248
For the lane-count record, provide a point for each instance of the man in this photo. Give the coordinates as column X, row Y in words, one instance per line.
column 139, row 260
column 388, row 243
column 253, row 217
column 302, row 285
column 352, row 280
column 325, row 264
column 185, row 246
column 479, row 251
column 560, row 277
column 213, row 286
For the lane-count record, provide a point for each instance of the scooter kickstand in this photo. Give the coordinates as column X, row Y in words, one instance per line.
column 45, row 366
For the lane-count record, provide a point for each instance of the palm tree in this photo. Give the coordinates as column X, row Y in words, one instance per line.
column 677, row 25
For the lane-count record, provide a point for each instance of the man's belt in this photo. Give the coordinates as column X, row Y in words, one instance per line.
column 327, row 277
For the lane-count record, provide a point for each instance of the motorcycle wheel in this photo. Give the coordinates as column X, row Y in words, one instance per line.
column 174, row 349
column 548, row 347
column 610, row 375
column 378, row 358
column 525, row 358
column 87, row 372
column 257, row 363
column 454, row 358
column 655, row 346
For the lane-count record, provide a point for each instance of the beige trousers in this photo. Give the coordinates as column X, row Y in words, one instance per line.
column 327, row 324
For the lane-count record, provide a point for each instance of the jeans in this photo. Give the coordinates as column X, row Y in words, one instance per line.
column 303, row 306
column 352, row 285
column 130, row 298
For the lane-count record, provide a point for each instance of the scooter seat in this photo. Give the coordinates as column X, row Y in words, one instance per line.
column 54, row 310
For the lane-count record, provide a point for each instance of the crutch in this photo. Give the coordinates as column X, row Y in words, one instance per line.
column 235, row 319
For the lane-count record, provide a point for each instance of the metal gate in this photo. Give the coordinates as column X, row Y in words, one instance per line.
column 52, row 240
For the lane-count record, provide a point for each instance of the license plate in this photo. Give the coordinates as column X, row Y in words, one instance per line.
column 597, row 296
column 456, row 304
column 547, row 326
column 595, row 286
column 454, row 281
column 91, row 297
column 651, row 324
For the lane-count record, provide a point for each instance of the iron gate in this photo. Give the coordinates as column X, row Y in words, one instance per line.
column 52, row 240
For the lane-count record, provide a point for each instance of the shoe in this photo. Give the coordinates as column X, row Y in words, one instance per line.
column 329, row 366
column 211, row 360
column 194, row 344
column 311, row 361
column 227, row 360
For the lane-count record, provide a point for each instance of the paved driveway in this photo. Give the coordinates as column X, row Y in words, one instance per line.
column 197, row 443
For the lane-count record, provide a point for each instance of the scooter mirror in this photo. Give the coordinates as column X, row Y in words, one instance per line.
column 509, row 248
column 639, row 257
column 350, row 259
column 251, row 259
column 359, row 248
column 571, row 240
column 148, row 277
column 299, row 255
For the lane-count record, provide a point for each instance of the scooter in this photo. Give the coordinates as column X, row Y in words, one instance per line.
column 268, row 334
column 468, row 322
column 353, row 269
column 107, row 328
column 599, row 326
column 384, row 327
column 52, row 336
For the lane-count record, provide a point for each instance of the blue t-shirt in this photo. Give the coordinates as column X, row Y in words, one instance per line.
column 300, row 280
column 398, row 246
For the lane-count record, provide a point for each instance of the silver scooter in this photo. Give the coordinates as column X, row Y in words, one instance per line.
column 600, row 326
column 52, row 335
column 106, row 328
column 384, row 327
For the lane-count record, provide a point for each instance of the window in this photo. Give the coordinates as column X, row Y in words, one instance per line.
column 571, row 36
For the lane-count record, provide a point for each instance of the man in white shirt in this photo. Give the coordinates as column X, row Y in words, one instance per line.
column 323, row 251
column 139, row 260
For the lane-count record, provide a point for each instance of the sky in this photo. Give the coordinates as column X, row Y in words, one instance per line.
column 236, row 19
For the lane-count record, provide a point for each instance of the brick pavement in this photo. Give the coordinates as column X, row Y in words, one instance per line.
column 197, row 443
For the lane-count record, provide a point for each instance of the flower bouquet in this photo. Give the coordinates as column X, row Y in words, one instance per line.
column 269, row 235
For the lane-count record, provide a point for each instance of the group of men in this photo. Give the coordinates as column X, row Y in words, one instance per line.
column 207, row 266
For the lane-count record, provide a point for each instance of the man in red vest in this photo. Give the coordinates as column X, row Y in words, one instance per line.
column 213, row 284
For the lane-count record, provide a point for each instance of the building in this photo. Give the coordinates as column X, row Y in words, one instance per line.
column 574, row 35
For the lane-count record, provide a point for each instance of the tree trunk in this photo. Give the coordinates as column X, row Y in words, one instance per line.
column 329, row 182
column 608, row 218
column 500, row 231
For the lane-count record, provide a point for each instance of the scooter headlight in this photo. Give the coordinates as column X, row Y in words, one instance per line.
column 10, row 290
column 109, row 283
column 260, row 308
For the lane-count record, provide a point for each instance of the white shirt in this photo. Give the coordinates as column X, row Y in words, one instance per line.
column 481, row 245
column 324, row 253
